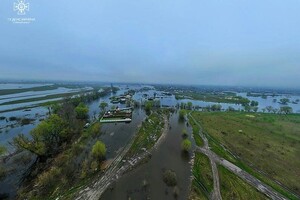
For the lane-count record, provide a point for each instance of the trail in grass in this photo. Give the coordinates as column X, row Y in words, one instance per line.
column 215, row 159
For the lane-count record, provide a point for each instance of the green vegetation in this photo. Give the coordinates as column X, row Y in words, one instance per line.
column 170, row 178
column 220, row 97
column 284, row 101
column 47, row 137
column 148, row 106
column 2, row 169
column 148, row 133
column 53, row 179
column 269, row 142
column 103, row 105
column 196, row 129
column 286, row 109
column 189, row 105
column 182, row 114
column 2, row 150
column 232, row 187
column 184, row 133
column 202, row 184
column 186, row 145
column 99, row 150
column 81, row 111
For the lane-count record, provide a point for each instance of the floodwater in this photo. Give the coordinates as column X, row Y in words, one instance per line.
column 116, row 136
column 168, row 155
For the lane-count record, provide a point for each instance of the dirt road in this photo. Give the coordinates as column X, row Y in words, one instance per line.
column 215, row 159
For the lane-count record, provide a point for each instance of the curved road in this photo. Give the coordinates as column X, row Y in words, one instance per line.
column 215, row 159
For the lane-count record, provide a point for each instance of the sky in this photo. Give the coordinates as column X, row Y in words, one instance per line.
column 193, row 42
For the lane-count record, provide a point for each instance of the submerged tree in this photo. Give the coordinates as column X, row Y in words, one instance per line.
column 186, row 145
column 182, row 114
column 99, row 150
column 286, row 109
column 103, row 105
column 189, row 105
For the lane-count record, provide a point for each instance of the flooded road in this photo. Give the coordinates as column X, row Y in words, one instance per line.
column 168, row 155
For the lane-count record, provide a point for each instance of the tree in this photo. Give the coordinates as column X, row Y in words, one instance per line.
column 181, row 114
column 230, row 109
column 286, row 109
column 216, row 107
column 95, row 129
column 170, row 178
column 189, row 105
column 2, row 150
column 269, row 108
column 99, row 150
column 284, row 101
column 186, row 145
column 184, row 133
column 103, row 105
column 81, row 111
column 46, row 137
column 254, row 103
column 255, row 108
column 148, row 106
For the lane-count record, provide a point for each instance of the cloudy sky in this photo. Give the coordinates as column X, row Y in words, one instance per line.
column 215, row 42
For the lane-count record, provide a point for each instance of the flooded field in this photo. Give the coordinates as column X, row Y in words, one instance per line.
column 146, row 180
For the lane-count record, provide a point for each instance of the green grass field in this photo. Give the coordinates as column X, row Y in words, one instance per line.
column 268, row 143
column 202, row 184
column 232, row 187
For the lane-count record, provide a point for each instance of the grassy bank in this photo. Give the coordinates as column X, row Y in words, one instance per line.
column 52, row 96
column 196, row 129
column 213, row 97
column 202, row 184
column 269, row 143
column 149, row 132
column 232, row 187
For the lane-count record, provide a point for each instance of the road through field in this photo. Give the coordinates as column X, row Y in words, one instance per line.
column 215, row 159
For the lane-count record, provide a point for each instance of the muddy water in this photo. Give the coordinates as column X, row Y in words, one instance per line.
column 167, row 156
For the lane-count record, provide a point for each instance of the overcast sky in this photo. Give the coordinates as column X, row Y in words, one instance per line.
column 215, row 42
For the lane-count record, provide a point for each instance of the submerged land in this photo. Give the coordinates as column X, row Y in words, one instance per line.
column 70, row 141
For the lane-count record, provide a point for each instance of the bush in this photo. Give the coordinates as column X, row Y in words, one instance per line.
column 186, row 145
column 182, row 114
column 81, row 111
column 25, row 121
column 95, row 129
column 184, row 133
column 49, row 178
column 170, row 178
column 12, row 118
column 2, row 150
column 99, row 150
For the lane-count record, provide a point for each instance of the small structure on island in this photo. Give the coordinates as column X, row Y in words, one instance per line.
column 117, row 115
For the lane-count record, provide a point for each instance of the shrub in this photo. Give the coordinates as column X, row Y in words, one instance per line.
column 12, row 118
column 184, row 133
column 170, row 177
column 186, row 145
column 182, row 114
column 99, row 150
column 95, row 130
column 49, row 178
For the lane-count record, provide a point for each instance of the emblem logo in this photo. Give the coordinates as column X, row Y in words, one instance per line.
column 21, row 7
